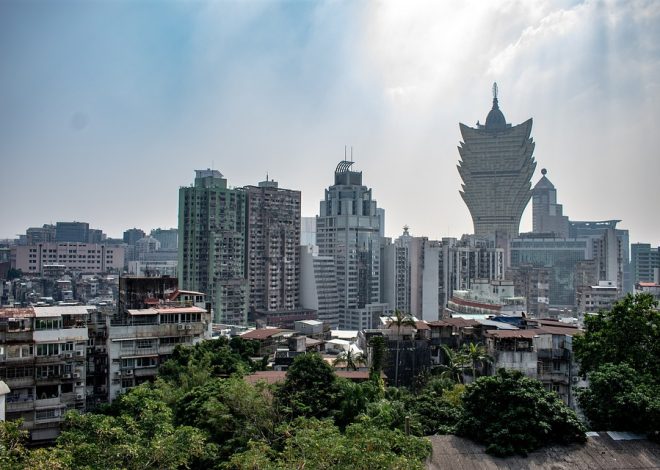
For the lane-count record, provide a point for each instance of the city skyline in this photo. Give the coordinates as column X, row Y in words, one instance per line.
column 115, row 105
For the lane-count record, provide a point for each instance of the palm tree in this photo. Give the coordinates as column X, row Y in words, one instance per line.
column 400, row 320
column 350, row 359
column 477, row 355
column 454, row 366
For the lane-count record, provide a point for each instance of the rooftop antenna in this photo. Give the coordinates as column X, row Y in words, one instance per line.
column 494, row 90
column 351, row 153
column 344, row 153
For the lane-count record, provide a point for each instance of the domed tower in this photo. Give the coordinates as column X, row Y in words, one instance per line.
column 496, row 165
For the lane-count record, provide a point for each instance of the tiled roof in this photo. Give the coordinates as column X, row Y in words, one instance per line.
column 262, row 333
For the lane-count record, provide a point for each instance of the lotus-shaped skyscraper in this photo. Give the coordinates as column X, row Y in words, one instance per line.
column 496, row 166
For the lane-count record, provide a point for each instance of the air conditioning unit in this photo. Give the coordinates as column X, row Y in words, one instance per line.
column 188, row 327
column 79, row 396
column 79, row 353
column 118, row 373
column 76, row 375
column 66, row 376
column 575, row 379
column 180, row 326
column 68, row 355
column 128, row 372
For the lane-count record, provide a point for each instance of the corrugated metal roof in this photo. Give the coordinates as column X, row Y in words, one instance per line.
column 599, row 453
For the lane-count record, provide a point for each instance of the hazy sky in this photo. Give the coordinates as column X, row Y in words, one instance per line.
column 106, row 108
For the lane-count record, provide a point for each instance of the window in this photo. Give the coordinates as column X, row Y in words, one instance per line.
column 44, row 372
column 47, row 414
column 50, row 349
column 48, row 324
column 144, row 343
column 67, row 347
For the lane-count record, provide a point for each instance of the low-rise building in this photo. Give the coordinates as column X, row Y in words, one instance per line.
column 87, row 258
column 139, row 342
column 544, row 353
column 43, row 361
column 598, row 297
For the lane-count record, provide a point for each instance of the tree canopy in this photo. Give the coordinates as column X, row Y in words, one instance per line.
column 511, row 413
column 628, row 333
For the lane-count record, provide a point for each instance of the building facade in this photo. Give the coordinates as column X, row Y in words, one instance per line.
column 212, row 219
column 547, row 215
column 273, row 240
column 86, row 258
column 318, row 285
column 560, row 255
column 644, row 262
column 43, row 361
column 496, row 166
column 348, row 230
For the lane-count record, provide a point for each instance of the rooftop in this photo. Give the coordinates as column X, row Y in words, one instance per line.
column 262, row 333
column 602, row 451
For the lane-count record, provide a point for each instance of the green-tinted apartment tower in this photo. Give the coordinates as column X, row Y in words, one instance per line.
column 212, row 231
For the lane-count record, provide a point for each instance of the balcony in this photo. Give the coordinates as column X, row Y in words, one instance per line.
column 47, row 402
column 49, row 359
column 19, row 382
column 553, row 376
column 18, row 360
column 17, row 337
column 20, row 404
column 559, row 354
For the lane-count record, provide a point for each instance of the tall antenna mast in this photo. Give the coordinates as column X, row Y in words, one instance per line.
column 494, row 90
column 351, row 153
column 344, row 152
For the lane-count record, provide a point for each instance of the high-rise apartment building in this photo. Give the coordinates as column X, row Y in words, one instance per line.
column 644, row 262
column 318, row 285
column 273, row 240
column 72, row 232
column 560, row 255
column 132, row 235
column 348, row 229
column 35, row 235
column 547, row 215
column 168, row 238
column 496, row 165
column 212, row 232
column 613, row 255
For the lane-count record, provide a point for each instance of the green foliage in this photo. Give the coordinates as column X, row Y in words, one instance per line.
column 315, row 444
column 12, row 444
column 190, row 366
column 454, row 365
column 619, row 399
column 392, row 414
column 511, row 413
column 620, row 352
column 14, row 455
column 350, row 359
column 437, row 407
column 629, row 332
column 476, row 356
column 231, row 411
column 310, row 388
column 353, row 399
column 142, row 436
column 377, row 344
